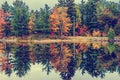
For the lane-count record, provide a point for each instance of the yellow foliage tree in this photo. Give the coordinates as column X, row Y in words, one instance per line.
column 96, row 33
column 31, row 22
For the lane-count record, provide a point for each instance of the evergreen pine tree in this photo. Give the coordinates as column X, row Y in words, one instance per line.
column 6, row 7
column 20, row 18
column 82, row 9
column 71, row 9
column 62, row 3
column 91, row 14
column 41, row 21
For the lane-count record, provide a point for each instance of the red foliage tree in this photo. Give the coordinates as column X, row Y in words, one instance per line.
column 3, row 22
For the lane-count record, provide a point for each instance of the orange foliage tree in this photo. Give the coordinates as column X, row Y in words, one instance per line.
column 59, row 21
column 2, row 23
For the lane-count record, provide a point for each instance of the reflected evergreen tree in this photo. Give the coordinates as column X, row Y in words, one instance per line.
column 22, row 61
column 71, row 70
column 118, row 69
column 111, row 34
column 43, row 57
column 111, row 47
column 89, row 62
column 113, row 68
column 47, row 67
column 8, row 70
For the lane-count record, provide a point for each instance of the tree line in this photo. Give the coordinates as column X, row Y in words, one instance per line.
column 91, row 18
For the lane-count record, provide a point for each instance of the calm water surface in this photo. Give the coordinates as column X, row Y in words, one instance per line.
column 59, row 61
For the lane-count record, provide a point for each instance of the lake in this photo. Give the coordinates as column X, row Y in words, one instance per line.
column 95, row 60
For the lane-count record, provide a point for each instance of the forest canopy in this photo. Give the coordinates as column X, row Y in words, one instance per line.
column 66, row 18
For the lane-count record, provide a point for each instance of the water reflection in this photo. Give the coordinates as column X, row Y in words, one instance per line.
column 66, row 58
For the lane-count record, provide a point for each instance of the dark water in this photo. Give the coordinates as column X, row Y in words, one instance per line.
column 59, row 61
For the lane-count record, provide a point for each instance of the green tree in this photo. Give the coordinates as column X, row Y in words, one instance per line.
column 71, row 70
column 62, row 3
column 82, row 9
column 111, row 34
column 100, row 8
column 6, row 7
column 43, row 57
column 113, row 7
column 111, row 47
column 71, row 9
column 119, row 6
column 91, row 14
column 20, row 12
column 117, row 27
column 89, row 62
column 72, row 14
column 41, row 20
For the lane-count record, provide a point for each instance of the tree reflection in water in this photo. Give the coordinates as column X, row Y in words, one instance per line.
column 95, row 59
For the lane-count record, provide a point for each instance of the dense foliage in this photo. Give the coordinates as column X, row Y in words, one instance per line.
column 65, row 19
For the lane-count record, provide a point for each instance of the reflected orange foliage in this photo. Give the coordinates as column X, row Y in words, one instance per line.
column 81, row 47
column 61, row 57
column 32, row 57
column 2, row 46
column 5, row 64
column 96, row 45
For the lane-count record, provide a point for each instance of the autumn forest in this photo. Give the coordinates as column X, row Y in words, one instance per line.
column 92, row 18
column 67, row 37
